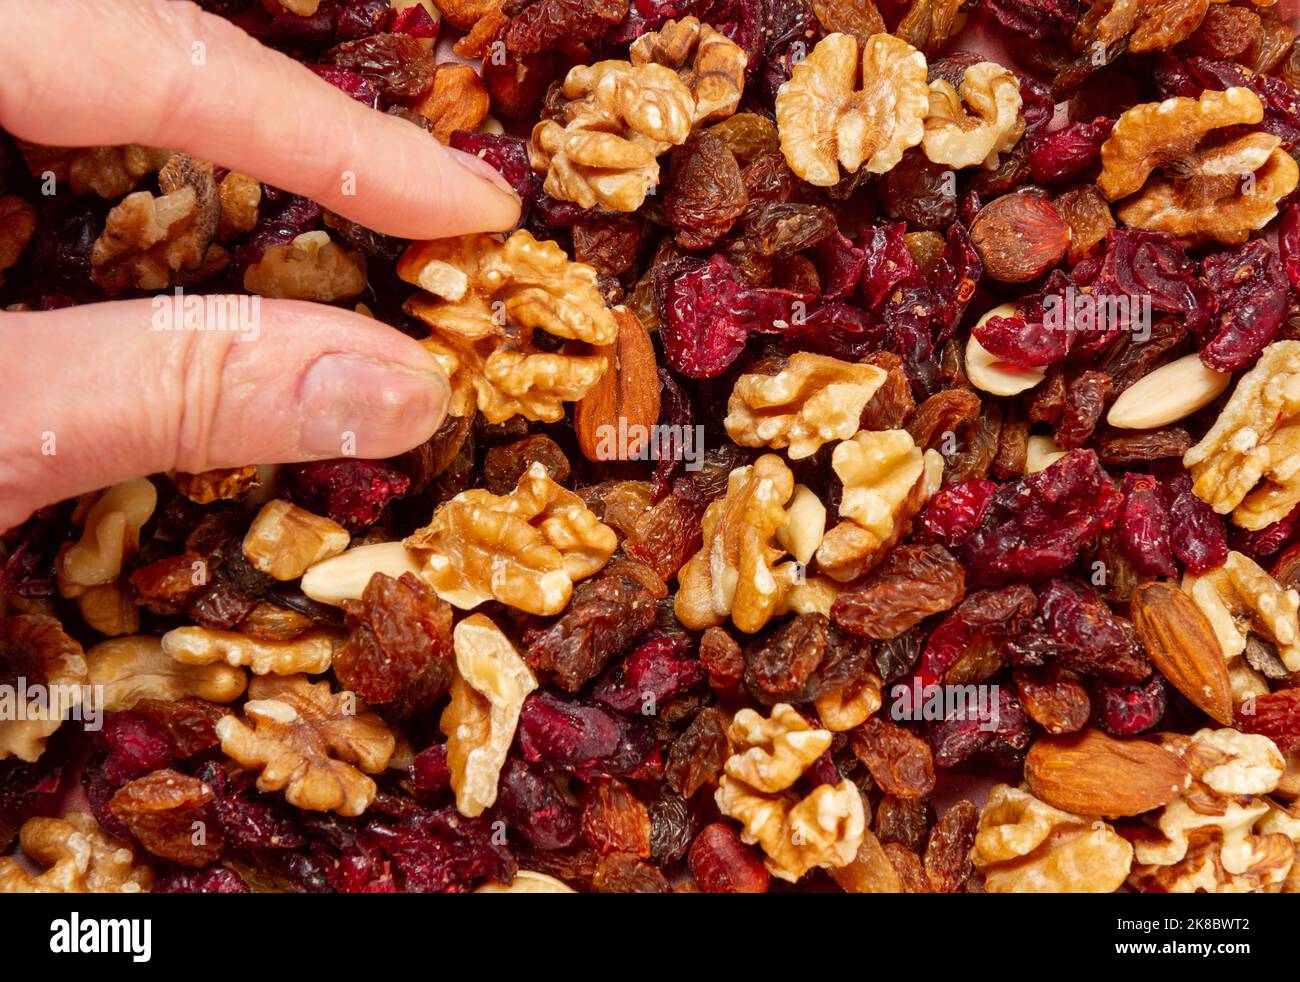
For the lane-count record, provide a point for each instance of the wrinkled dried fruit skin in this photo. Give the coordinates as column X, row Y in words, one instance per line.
column 707, row 193
column 947, row 852
column 577, row 647
column 1276, row 716
column 696, row 757
column 1128, row 709
column 899, row 761
column 1035, row 527
column 1250, row 288
column 1019, row 237
column 721, row 863
column 1058, row 705
column 913, row 583
column 1144, row 526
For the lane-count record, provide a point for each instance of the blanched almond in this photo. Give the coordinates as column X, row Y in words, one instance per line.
column 999, row 378
column 345, row 576
column 1170, row 393
column 1041, row 452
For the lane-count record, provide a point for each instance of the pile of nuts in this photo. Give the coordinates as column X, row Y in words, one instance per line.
column 848, row 411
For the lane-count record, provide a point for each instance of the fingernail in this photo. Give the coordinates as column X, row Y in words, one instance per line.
column 355, row 407
column 481, row 168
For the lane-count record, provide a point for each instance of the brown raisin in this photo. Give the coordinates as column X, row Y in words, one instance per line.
column 707, row 193
column 614, row 819
column 947, row 853
column 167, row 811
column 722, row 660
column 1055, row 702
column 893, row 403
column 503, row 466
column 899, row 761
column 912, row 583
column 696, row 757
column 903, row 820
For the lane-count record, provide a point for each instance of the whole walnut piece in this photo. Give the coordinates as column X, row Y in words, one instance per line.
column 310, row 743
column 709, row 62
column 839, row 110
column 79, row 858
column 484, row 301
column 602, row 147
column 811, row 401
column 1241, row 600
column 1249, row 462
column 1207, row 840
column 487, row 694
column 34, row 647
column 110, row 536
column 309, row 653
column 776, row 751
column 284, row 540
column 525, row 549
column 149, row 241
column 887, row 479
column 311, row 267
column 823, row 829
column 1209, row 188
column 735, row 573
column 135, row 668
column 958, row 138
column 1024, row 845
column 109, row 172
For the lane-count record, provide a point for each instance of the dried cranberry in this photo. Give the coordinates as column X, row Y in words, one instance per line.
column 955, row 512
column 354, row 84
column 534, row 806
column 249, row 822
column 1265, row 542
column 701, row 333
column 1036, row 526
column 1065, row 153
column 429, row 770
column 999, row 732
column 352, row 492
column 442, row 851
column 1125, row 710
column 214, row 879
column 581, row 737
column 509, row 155
column 1288, row 241
column 721, row 863
column 1250, row 290
column 1195, row 531
column 1091, row 638
column 28, row 570
column 651, row 675
column 413, row 20
column 1144, row 526
column 986, row 618
column 546, row 24
column 361, row 18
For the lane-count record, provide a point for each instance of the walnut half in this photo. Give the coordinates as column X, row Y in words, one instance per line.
column 487, row 694
column 956, row 138
column 1024, row 845
column 845, row 108
column 1210, row 188
column 798, row 834
column 79, row 858
column 309, row 742
column 485, row 299
column 1249, row 462
column 525, row 549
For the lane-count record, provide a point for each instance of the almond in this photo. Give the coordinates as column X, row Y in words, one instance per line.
column 1090, row 773
column 986, row 372
column 1183, row 646
column 1168, row 394
column 613, row 420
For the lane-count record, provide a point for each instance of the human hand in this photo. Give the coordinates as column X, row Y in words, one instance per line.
column 93, row 395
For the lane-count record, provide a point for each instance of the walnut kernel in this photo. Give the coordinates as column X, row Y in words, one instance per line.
column 956, row 138
column 1239, row 599
column 827, row 122
column 709, row 62
column 110, row 535
column 487, row 694
column 812, row 400
column 35, row 648
column 136, row 668
column 525, row 549
column 310, row 653
column 306, row 740
column 311, row 267
column 284, row 540
column 79, row 858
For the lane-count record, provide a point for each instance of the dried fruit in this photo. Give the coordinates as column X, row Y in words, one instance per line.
column 707, row 194
column 899, row 761
column 947, row 860
column 721, row 863
column 913, row 582
column 167, row 812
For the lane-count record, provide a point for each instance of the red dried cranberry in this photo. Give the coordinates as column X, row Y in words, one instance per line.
column 355, row 85
column 721, row 863
column 352, row 492
column 442, row 851
column 651, row 675
column 509, row 155
column 984, row 618
column 955, row 512
column 1090, row 637
column 1067, row 152
column 214, row 879
column 1036, row 526
column 429, row 771
column 1265, row 542
column 701, row 333
column 537, row 809
column 362, row 18
column 1195, row 531
column 1000, row 732
column 413, row 20
column 580, row 737
column 1144, row 526
column 1250, row 289
column 1288, row 241
column 1125, row 710
column 28, row 570
column 248, row 822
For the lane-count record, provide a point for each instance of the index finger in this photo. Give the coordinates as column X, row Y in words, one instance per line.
column 171, row 75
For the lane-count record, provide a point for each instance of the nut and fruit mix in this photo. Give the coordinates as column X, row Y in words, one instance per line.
column 851, row 408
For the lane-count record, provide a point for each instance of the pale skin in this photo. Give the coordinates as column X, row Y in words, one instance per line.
column 121, row 399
